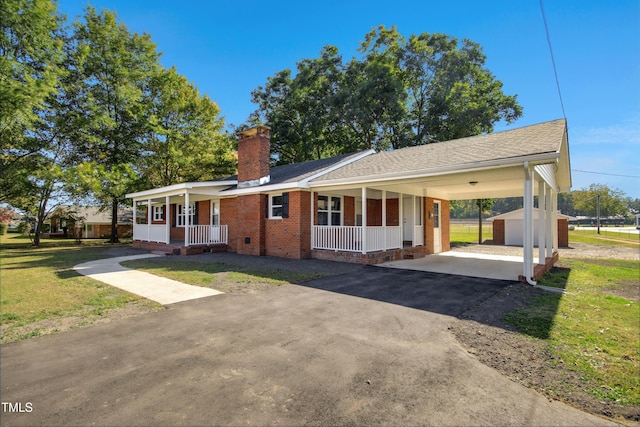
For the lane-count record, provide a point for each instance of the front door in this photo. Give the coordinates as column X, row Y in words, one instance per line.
column 437, row 232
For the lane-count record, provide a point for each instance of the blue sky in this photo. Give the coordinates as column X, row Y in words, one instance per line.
column 227, row 49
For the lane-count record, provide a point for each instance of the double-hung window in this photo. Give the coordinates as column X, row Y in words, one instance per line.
column 278, row 206
column 181, row 214
column 329, row 210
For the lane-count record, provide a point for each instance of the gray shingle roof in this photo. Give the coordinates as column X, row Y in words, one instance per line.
column 298, row 171
column 529, row 140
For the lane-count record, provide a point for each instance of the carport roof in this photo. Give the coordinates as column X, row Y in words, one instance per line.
column 541, row 140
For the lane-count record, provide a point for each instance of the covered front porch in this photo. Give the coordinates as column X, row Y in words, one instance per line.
column 366, row 220
column 180, row 216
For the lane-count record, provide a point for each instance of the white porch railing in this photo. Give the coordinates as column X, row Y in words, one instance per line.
column 150, row 232
column 418, row 235
column 207, row 234
column 349, row 238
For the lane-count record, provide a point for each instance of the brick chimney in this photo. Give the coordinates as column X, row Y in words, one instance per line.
column 253, row 157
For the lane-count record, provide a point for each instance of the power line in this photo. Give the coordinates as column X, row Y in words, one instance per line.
column 603, row 173
column 553, row 61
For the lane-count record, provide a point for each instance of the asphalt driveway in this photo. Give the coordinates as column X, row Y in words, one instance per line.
column 366, row 347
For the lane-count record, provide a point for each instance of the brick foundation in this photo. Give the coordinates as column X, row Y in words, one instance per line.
column 370, row 258
column 540, row 270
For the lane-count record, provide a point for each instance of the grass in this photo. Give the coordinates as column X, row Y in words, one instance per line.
column 468, row 233
column 18, row 241
column 595, row 327
column 39, row 284
column 221, row 276
column 605, row 237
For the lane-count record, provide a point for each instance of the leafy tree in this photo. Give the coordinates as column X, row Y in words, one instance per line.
column 303, row 110
column 399, row 92
column 612, row 201
column 30, row 57
column 113, row 71
column 186, row 141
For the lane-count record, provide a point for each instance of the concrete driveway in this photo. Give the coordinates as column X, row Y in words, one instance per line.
column 367, row 347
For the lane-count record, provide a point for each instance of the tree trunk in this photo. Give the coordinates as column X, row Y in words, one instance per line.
column 114, row 222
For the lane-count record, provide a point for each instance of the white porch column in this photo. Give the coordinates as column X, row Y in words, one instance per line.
column 384, row 218
column 554, row 220
column 187, row 218
column 401, row 216
column 167, row 222
column 550, row 224
column 133, row 227
column 364, row 220
column 313, row 213
column 527, row 246
column 148, row 219
column 542, row 222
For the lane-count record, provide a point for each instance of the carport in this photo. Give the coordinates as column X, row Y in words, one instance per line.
column 523, row 162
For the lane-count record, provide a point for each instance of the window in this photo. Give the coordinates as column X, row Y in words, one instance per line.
column 329, row 210
column 278, row 206
column 157, row 213
column 215, row 213
column 275, row 208
column 182, row 214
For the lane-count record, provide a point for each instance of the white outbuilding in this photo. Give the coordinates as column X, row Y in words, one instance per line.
column 508, row 228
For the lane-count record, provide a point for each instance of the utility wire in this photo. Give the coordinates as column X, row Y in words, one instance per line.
column 603, row 173
column 553, row 61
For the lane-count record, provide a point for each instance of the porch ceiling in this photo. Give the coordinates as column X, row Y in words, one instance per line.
column 492, row 183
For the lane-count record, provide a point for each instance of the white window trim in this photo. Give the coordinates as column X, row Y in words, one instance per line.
column 156, row 214
column 330, row 211
column 181, row 216
column 271, row 206
column 214, row 204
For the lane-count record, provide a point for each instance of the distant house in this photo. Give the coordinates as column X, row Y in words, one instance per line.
column 508, row 228
column 87, row 222
column 364, row 207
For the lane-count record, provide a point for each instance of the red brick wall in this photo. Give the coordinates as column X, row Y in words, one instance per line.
column 374, row 212
column 229, row 216
column 204, row 212
column 428, row 225
column 251, row 224
column 445, row 225
column 349, row 213
column 291, row 237
column 393, row 212
column 563, row 233
column 253, row 156
column 498, row 232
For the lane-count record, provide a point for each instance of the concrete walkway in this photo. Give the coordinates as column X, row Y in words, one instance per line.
column 501, row 267
column 158, row 289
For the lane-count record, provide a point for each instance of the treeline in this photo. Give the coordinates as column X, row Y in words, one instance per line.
column 88, row 112
column 399, row 91
column 613, row 203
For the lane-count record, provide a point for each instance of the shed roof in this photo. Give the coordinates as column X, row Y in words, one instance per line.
column 519, row 214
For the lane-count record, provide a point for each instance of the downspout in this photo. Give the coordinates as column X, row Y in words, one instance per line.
column 528, row 224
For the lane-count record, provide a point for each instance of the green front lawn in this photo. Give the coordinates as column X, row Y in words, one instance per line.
column 595, row 327
column 38, row 284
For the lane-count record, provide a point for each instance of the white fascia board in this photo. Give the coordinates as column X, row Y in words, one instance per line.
column 265, row 188
column 449, row 170
column 175, row 189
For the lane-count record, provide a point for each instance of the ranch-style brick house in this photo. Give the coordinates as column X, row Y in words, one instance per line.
column 364, row 207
